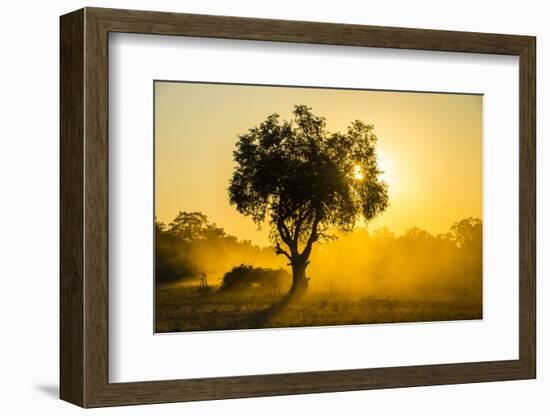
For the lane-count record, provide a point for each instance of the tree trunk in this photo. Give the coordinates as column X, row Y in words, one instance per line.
column 297, row 290
column 299, row 279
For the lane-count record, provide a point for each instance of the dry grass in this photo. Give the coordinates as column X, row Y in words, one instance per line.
column 185, row 308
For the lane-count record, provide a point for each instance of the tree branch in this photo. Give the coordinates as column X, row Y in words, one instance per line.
column 314, row 236
column 279, row 250
column 283, row 232
column 298, row 227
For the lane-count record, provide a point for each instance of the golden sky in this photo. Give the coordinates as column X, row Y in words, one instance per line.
column 430, row 146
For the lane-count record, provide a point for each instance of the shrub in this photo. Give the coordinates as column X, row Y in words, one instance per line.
column 246, row 277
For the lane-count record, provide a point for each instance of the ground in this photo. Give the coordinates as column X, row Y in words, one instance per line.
column 186, row 308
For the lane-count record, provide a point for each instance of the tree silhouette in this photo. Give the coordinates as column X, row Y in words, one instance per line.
column 467, row 232
column 191, row 226
column 306, row 181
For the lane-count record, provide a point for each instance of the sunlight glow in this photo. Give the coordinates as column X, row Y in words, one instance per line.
column 357, row 173
column 385, row 165
column 429, row 148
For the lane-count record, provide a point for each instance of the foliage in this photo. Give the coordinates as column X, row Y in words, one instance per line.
column 247, row 277
column 415, row 265
column 467, row 232
column 191, row 226
column 305, row 181
column 190, row 246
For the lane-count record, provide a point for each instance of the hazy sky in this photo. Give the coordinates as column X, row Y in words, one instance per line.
column 430, row 146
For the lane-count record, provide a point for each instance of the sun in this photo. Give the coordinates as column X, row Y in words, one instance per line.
column 357, row 173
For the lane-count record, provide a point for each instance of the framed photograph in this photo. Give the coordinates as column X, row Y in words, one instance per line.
column 255, row 207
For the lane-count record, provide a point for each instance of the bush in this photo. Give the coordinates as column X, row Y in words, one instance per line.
column 246, row 277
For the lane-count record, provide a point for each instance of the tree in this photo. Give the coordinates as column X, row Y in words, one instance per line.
column 467, row 232
column 191, row 226
column 306, row 181
column 176, row 245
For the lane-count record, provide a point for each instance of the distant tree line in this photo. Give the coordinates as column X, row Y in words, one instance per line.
column 190, row 245
column 416, row 264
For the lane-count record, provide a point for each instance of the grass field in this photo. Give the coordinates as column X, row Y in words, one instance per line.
column 185, row 308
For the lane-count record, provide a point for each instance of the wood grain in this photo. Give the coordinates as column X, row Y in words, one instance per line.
column 84, row 207
column 71, row 185
column 527, row 208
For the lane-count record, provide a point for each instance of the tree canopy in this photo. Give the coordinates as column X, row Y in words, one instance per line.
column 191, row 226
column 305, row 180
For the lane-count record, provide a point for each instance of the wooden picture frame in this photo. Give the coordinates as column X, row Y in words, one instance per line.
column 84, row 207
